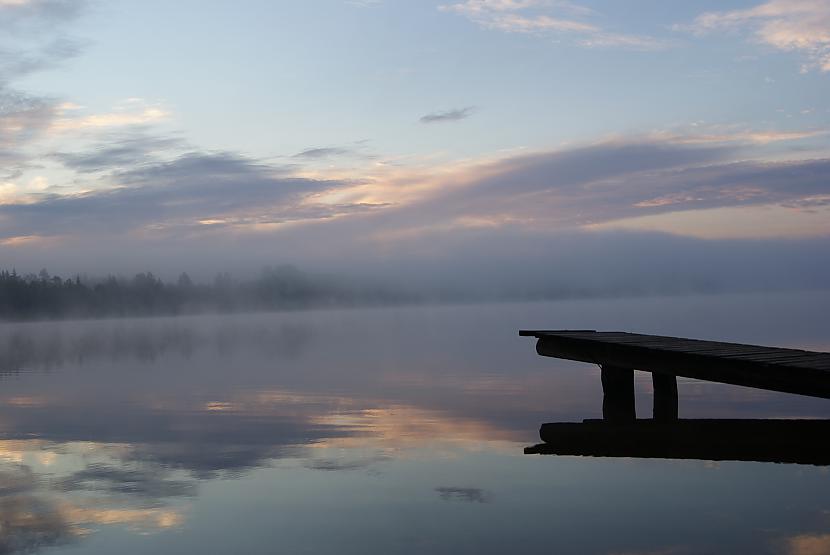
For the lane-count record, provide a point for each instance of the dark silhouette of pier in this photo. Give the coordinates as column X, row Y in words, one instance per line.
column 618, row 354
column 620, row 434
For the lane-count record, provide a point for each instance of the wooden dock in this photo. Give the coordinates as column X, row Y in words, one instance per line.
column 618, row 354
column 620, row 434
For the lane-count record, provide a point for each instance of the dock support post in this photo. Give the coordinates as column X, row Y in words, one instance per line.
column 618, row 393
column 665, row 396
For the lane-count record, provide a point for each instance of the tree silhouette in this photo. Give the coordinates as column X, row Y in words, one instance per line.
column 41, row 295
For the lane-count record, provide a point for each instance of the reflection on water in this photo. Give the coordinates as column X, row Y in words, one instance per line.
column 396, row 430
column 43, row 346
column 714, row 439
column 54, row 494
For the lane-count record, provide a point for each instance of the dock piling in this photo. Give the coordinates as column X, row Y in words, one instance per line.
column 618, row 393
column 665, row 396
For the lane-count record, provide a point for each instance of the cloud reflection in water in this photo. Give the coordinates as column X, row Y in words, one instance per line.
column 135, row 425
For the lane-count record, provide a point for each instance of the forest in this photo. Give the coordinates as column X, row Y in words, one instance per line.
column 44, row 296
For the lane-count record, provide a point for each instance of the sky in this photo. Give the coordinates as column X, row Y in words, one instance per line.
column 518, row 139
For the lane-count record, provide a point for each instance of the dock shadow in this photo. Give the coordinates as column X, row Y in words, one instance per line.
column 778, row 441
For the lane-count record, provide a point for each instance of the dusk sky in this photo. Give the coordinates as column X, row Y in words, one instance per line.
column 338, row 134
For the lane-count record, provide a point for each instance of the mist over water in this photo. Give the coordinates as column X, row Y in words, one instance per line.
column 387, row 429
column 478, row 267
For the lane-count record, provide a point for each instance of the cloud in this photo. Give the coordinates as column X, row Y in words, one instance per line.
column 35, row 518
column 808, row 544
column 16, row 481
column 323, row 152
column 190, row 191
column 30, row 524
column 610, row 180
column 226, row 210
column 30, row 37
column 547, row 18
column 18, row 62
column 121, row 150
column 469, row 495
column 30, row 41
column 741, row 136
column 449, row 115
column 23, row 118
column 332, row 465
column 787, row 25
column 205, row 200
column 364, row 3
column 149, row 483
column 123, row 117
column 26, row 15
column 157, row 437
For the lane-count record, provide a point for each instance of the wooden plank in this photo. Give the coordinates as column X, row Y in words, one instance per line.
column 692, row 345
column 634, row 337
column 689, row 345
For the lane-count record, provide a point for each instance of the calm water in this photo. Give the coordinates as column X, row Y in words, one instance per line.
column 381, row 431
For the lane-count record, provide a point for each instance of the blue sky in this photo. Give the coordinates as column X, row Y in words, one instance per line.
column 279, row 129
column 276, row 78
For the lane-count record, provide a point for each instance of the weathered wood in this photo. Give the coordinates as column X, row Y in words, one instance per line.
column 782, row 441
column 771, row 368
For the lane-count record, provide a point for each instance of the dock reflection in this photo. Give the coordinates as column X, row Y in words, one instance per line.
column 778, row 441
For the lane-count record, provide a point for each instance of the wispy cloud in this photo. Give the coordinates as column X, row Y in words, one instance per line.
column 469, row 495
column 39, row 12
column 548, row 18
column 808, row 544
column 788, row 25
column 456, row 114
column 121, row 150
column 608, row 181
column 194, row 190
column 31, row 40
column 23, row 117
column 364, row 3
column 17, row 61
column 133, row 111
column 146, row 483
column 732, row 134
column 30, row 35
column 322, row 152
column 131, row 184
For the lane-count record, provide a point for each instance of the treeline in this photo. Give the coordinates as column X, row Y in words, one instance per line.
column 36, row 296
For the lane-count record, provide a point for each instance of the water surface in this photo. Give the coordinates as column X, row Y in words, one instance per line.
column 396, row 430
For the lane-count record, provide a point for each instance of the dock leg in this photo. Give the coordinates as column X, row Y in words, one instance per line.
column 665, row 396
column 618, row 390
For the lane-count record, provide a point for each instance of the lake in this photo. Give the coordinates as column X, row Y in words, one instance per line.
column 388, row 430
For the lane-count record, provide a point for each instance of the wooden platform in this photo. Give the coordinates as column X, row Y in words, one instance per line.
column 771, row 368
